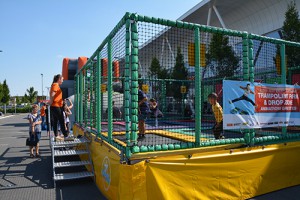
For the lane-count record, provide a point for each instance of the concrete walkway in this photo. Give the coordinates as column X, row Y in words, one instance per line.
column 25, row 178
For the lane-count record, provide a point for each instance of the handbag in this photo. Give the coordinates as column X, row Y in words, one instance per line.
column 30, row 142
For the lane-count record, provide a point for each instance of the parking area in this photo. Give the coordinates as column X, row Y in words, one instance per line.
column 22, row 177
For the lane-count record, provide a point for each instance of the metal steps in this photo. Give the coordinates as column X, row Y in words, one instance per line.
column 70, row 176
column 71, row 163
column 70, row 143
column 64, row 165
column 69, row 152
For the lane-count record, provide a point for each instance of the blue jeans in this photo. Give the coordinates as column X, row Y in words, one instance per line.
column 35, row 137
column 43, row 123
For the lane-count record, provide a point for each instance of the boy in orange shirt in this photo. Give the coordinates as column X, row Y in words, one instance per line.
column 43, row 114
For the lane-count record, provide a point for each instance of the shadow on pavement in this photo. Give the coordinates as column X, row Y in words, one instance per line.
column 83, row 189
column 35, row 170
column 16, row 125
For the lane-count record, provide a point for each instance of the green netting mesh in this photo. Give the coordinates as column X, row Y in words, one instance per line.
column 146, row 86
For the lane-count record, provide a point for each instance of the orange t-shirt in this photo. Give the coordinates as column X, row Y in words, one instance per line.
column 57, row 99
column 43, row 111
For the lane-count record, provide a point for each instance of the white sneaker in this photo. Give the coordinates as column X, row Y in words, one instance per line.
column 69, row 138
column 59, row 139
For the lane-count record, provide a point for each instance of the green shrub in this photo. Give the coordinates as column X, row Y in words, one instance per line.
column 26, row 109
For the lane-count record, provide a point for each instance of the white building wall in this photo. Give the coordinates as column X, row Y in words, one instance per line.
column 255, row 16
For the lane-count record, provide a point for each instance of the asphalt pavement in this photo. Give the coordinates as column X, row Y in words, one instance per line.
column 25, row 178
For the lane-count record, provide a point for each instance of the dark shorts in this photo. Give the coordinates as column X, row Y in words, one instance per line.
column 218, row 130
column 36, row 137
column 142, row 116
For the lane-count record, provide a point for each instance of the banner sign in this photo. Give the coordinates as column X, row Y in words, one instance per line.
column 256, row 105
column 276, row 99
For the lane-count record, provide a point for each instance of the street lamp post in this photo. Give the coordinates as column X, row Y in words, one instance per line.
column 48, row 88
column 42, row 86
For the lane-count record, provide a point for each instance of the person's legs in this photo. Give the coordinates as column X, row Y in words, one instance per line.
column 31, row 151
column 37, row 147
column 141, row 127
column 237, row 99
column 58, row 129
column 217, row 130
column 62, row 123
column 31, row 137
column 68, row 127
column 221, row 130
column 51, row 122
column 47, row 124
column 249, row 100
column 43, row 123
column 55, row 115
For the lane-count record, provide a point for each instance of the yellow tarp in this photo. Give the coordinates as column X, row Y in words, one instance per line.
column 221, row 175
column 239, row 174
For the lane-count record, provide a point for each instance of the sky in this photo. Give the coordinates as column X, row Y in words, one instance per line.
column 36, row 35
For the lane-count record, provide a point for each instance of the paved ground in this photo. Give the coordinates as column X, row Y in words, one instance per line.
column 291, row 193
column 25, row 178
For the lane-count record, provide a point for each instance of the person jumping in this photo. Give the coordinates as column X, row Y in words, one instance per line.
column 247, row 91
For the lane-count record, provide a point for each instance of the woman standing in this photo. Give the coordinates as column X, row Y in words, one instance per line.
column 56, row 108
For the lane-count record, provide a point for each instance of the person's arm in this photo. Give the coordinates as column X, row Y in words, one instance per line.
column 37, row 122
column 54, row 89
column 52, row 94
column 71, row 104
column 143, row 100
column 68, row 112
column 31, row 124
column 251, row 92
column 244, row 88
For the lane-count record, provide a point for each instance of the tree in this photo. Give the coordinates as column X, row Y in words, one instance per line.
column 31, row 95
column 221, row 58
column 5, row 93
column 18, row 100
column 1, row 92
column 157, row 71
column 291, row 32
column 154, row 68
column 25, row 98
column 164, row 74
column 179, row 73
